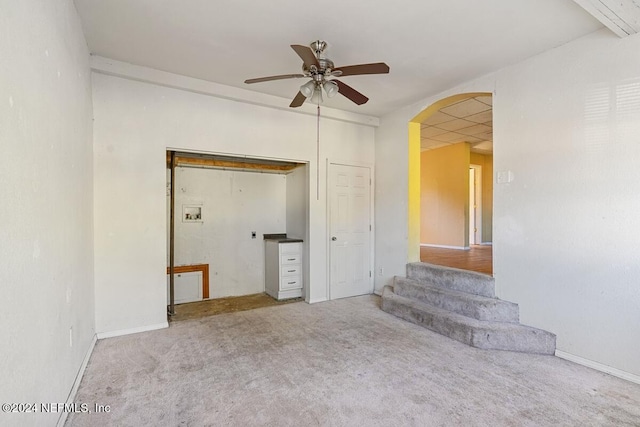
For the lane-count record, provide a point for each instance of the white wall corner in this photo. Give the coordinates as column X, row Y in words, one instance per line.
column 121, row 332
column 76, row 383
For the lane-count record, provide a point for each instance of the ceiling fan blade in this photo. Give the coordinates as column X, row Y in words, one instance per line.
column 307, row 55
column 280, row 77
column 298, row 100
column 351, row 93
column 352, row 70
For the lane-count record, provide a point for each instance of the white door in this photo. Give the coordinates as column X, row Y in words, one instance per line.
column 475, row 205
column 350, row 231
column 472, row 206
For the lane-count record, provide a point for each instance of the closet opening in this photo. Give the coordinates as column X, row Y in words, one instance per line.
column 222, row 211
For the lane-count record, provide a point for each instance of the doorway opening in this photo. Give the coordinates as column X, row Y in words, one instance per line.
column 220, row 210
column 450, row 181
column 475, row 205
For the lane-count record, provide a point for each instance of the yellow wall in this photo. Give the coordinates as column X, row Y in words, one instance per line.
column 444, row 196
column 486, row 161
column 413, row 207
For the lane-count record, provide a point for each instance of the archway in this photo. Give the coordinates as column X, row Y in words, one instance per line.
column 445, row 139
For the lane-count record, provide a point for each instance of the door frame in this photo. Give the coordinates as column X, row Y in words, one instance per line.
column 477, row 178
column 369, row 166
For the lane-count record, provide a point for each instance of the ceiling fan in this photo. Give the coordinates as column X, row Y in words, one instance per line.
column 322, row 72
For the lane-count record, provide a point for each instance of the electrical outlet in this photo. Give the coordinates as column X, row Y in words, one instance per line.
column 381, row 271
column 253, row 234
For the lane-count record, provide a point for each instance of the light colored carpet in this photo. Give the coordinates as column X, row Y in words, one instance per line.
column 338, row 363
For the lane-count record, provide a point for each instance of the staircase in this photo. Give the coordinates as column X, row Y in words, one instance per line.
column 462, row 305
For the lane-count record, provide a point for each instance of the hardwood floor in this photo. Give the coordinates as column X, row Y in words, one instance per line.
column 478, row 258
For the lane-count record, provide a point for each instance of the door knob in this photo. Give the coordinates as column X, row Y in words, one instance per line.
column 334, row 238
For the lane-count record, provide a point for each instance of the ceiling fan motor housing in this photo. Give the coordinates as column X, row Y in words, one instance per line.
column 325, row 69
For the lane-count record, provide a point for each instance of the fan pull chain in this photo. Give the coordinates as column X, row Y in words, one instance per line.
column 318, row 155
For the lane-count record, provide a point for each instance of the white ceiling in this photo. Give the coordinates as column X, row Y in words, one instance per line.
column 430, row 45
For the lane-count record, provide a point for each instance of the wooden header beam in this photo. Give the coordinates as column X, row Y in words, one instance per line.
column 231, row 163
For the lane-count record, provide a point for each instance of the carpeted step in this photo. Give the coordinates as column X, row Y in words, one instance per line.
column 452, row 278
column 473, row 332
column 470, row 305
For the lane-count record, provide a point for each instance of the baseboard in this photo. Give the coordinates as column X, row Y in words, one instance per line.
column 462, row 248
column 76, row 383
column 313, row 301
column 599, row 366
column 486, row 243
column 111, row 334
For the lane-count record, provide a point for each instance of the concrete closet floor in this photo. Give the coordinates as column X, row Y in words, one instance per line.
column 337, row 363
column 199, row 309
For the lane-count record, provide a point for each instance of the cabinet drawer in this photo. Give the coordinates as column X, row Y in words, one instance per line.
column 290, row 259
column 291, row 270
column 293, row 282
column 291, row 248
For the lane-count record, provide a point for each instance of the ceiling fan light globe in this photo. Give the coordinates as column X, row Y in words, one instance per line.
column 308, row 88
column 316, row 98
column 331, row 88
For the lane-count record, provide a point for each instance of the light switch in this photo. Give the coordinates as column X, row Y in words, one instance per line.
column 504, row 177
column 253, row 234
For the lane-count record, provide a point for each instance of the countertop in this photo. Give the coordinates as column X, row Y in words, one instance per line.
column 281, row 238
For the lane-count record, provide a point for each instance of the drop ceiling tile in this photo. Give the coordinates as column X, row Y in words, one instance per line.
column 475, row 130
column 437, row 118
column 449, row 137
column 472, row 139
column 487, row 136
column 483, row 117
column 485, row 99
column 459, row 139
column 465, row 108
column 455, row 124
column 429, row 131
column 469, row 121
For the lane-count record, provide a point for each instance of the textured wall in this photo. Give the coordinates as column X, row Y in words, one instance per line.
column 134, row 125
column 444, row 188
column 565, row 247
column 566, row 127
column 233, row 205
column 46, row 237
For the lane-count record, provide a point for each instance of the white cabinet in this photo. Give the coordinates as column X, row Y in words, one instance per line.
column 283, row 269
